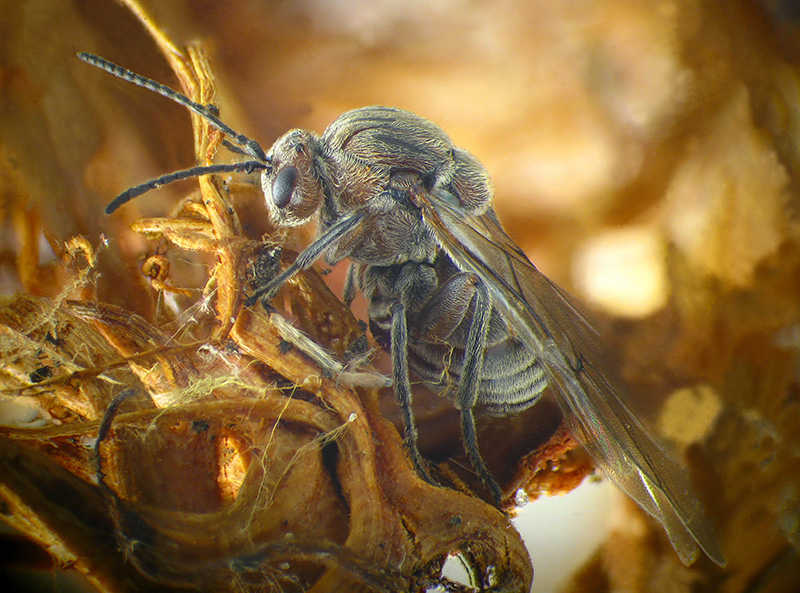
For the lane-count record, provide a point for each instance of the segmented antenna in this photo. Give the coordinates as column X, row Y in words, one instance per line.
column 239, row 143
column 138, row 190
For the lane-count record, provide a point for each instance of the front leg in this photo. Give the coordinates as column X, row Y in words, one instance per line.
column 330, row 238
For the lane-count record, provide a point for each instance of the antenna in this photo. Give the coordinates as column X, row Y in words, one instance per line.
column 138, row 190
column 239, row 143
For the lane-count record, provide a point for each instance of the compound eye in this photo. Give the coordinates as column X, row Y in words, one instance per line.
column 283, row 186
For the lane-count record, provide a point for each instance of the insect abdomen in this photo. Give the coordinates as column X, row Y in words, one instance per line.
column 512, row 378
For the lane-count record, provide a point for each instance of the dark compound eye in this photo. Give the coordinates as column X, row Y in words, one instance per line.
column 283, row 186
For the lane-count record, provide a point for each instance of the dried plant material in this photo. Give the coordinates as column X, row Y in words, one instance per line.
column 171, row 489
column 556, row 467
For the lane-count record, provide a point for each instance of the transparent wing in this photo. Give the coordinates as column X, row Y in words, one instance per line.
column 539, row 311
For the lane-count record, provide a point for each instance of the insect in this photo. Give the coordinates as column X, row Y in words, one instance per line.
column 449, row 294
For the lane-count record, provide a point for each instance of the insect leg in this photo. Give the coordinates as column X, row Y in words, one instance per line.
column 467, row 392
column 104, row 429
column 402, row 385
column 309, row 255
